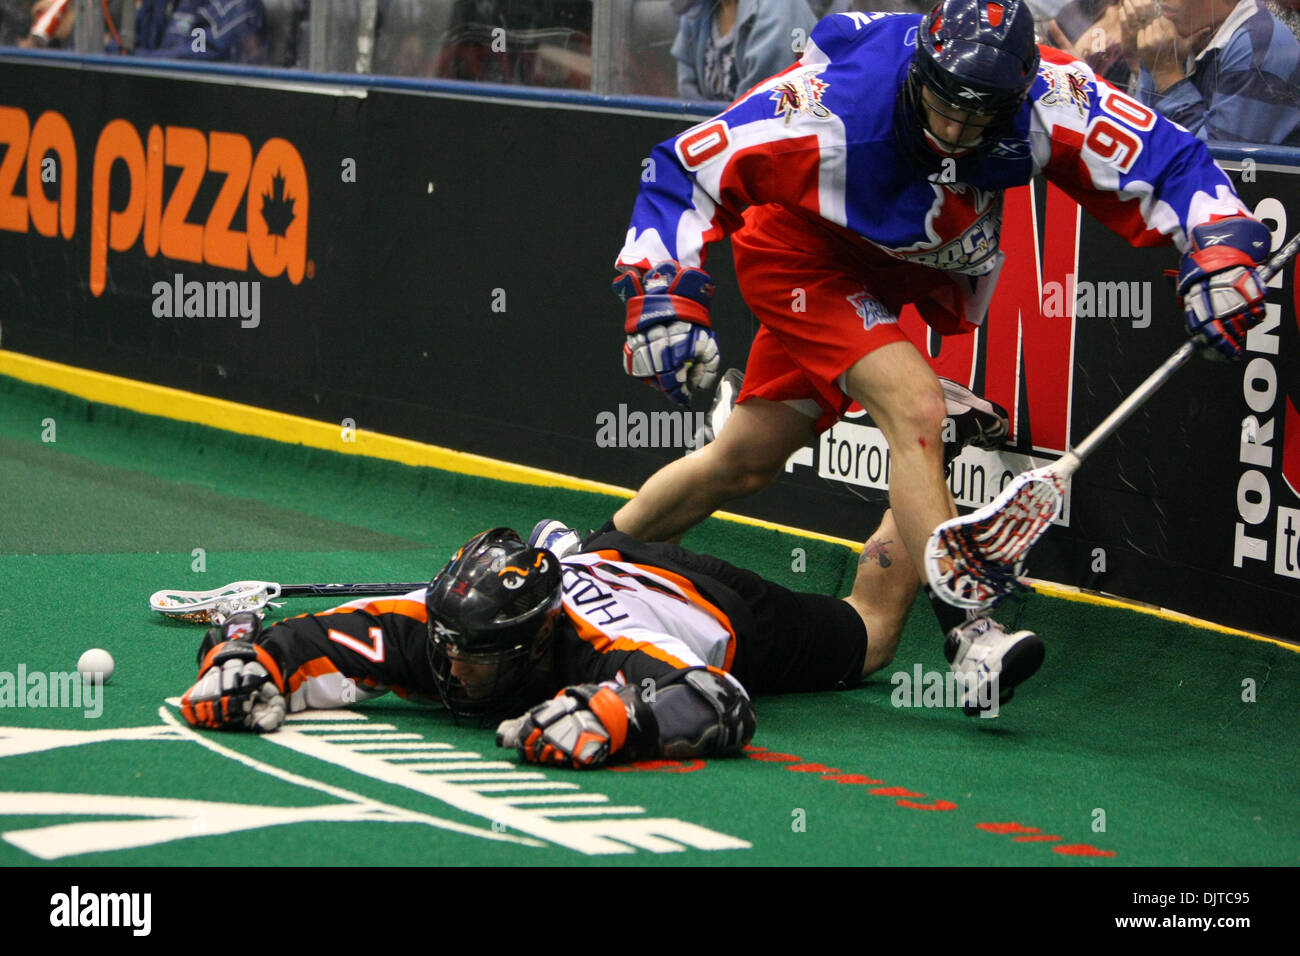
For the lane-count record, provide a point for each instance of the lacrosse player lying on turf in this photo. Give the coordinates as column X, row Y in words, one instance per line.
column 623, row 650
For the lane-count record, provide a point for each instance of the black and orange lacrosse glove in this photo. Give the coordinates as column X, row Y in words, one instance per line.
column 240, row 686
column 583, row 726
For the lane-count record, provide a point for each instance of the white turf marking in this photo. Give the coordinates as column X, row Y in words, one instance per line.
column 495, row 775
column 333, row 728
column 508, row 812
column 588, row 811
column 493, row 794
column 172, row 819
column 307, row 716
column 477, row 764
column 558, row 798
column 440, row 755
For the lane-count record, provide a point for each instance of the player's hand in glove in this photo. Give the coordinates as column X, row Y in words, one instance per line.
column 1221, row 291
column 670, row 343
column 583, row 726
column 239, row 685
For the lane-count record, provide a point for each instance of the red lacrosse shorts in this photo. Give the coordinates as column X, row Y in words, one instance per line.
column 825, row 299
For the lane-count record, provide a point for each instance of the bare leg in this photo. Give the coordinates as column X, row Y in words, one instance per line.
column 883, row 592
column 902, row 395
column 747, row 455
column 750, row 452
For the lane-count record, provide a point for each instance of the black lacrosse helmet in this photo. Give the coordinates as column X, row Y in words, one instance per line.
column 488, row 612
column 974, row 56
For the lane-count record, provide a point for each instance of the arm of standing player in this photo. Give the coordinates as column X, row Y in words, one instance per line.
column 1152, row 182
column 766, row 148
column 1136, row 172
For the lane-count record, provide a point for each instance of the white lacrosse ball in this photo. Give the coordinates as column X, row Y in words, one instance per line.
column 95, row 661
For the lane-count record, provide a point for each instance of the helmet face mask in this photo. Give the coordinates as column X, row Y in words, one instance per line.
column 950, row 128
column 490, row 617
column 974, row 64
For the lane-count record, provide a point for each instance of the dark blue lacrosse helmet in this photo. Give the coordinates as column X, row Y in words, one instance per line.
column 975, row 61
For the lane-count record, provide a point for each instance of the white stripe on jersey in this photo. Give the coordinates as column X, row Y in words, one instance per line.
column 707, row 191
column 648, row 246
column 1061, row 111
column 329, row 691
column 619, row 599
column 833, row 171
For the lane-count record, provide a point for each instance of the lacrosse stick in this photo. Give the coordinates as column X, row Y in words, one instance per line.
column 213, row 607
column 975, row 560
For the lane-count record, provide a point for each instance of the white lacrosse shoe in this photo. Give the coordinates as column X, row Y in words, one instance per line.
column 724, row 401
column 978, row 421
column 990, row 663
column 556, row 537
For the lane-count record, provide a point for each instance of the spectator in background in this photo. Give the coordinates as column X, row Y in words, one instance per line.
column 15, row 21
column 1288, row 11
column 232, row 30
column 17, row 17
column 724, row 47
column 536, row 42
column 1090, row 30
column 1228, row 70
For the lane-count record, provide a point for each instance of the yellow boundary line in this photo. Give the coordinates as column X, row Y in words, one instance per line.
column 164, row 402
column 1068, row 593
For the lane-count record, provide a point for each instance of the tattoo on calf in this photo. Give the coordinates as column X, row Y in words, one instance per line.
column 876, row 549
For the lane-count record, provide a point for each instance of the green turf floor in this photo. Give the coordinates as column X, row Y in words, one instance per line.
column 1140, row 743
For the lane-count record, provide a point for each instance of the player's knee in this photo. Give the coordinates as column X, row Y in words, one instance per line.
column 921, row 415
column 930, row 409
column 883, row 620
column 881, row 648
column 739, row 475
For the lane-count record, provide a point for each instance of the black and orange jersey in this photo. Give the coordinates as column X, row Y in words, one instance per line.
column 623, row 622
column 633, row 614
column 351, row 653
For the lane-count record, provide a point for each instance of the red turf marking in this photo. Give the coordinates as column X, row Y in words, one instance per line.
column 937, row 805
column 895, row 792
column 812, row 768
column 852, row 778
column 1081, row 849
column 663, row 766
column 1037, row 838
column 1006, row 828
column 774, row 757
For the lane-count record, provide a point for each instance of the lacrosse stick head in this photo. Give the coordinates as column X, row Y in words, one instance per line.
column 974, row 561
column 213, row 607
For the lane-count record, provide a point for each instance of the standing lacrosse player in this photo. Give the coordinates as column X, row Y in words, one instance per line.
column 869, row 176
